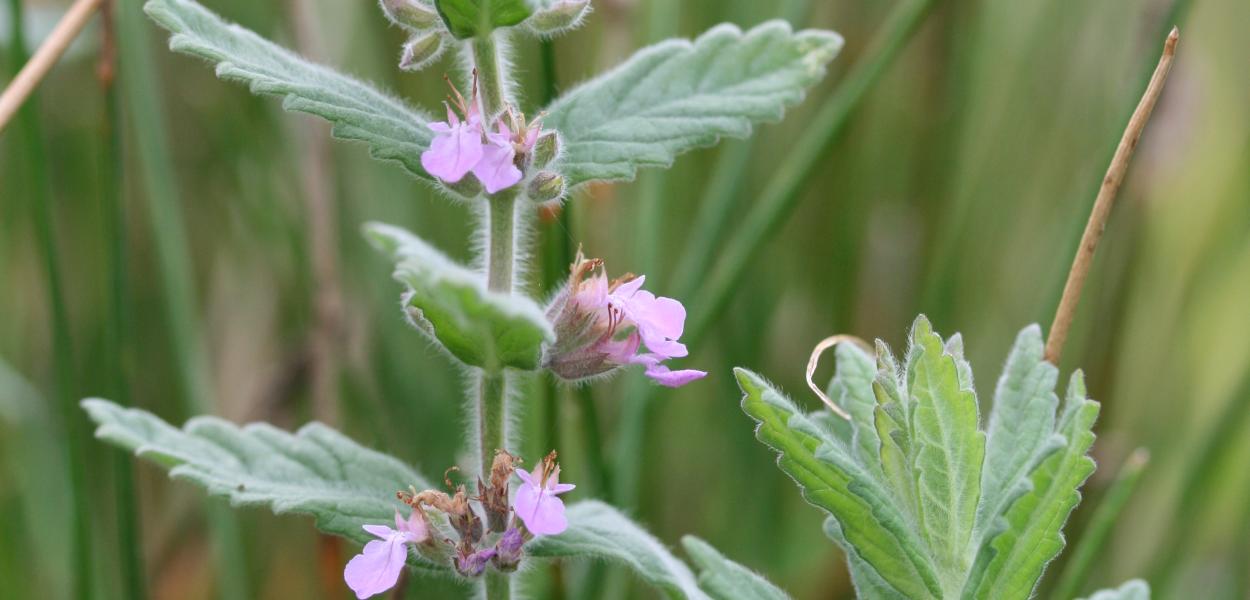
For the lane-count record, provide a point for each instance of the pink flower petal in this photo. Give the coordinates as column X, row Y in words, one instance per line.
column 663, row 376
column 381, row 531
column 496, row 169
column 454, row 152
column 377, row 568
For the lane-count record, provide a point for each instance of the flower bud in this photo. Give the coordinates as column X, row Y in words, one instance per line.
column 546, row 186
column 494, row 496
column 411, row 14
column 545, row 149
column 561, row 16
column 508, row 550
column 472, row 564
column 421, row 51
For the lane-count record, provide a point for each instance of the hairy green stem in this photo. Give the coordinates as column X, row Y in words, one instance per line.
column 490, row 75
column 501, row 254
column 492, row 421
column 501, row 245
column 173, row 258
column 72, row 420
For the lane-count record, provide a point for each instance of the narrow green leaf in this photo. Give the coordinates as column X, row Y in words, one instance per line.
column 868, row 583
column 1021, row 427
column 1010, row 565
column 317, row 471
column 831, row 480
column 1134, row 589
column 391, row 129
column 851, row 388
column 598, row 531
column 469, row 18
column 679, row 95
column 451, row 304
column 724, row 579
column 949, row 451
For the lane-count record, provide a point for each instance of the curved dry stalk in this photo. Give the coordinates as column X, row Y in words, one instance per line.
column 1106, row 199
column 45, row 57
column 814, row 361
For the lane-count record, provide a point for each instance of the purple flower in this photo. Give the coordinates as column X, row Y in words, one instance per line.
column 457, row 148
column 377, row 567
column 494, row 158
column 536, row 502
column 601, row 325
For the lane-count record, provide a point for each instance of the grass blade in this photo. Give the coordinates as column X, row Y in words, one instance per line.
column 30, row 133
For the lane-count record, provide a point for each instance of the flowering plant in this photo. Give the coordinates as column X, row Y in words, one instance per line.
column 502, row 166
column 925, row 502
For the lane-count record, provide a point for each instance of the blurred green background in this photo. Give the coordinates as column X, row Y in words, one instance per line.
column 236, row 282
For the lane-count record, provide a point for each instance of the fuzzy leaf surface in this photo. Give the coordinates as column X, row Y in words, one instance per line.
column 829, row 478
column 598, row 531
column 950, row 450
column 316, row 471
column 851, row 388
column 679, row 95
column 359, row 112
column 451, row 304
column 1010, row 565
column 724, row 579
column 1021, row 426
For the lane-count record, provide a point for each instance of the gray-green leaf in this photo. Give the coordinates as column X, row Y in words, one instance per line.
column 1021, row 426
column 451, row 304
column 950, row 450
column 391, row 129
column 1133, row 589
column 831, row 480
column 724, row 579
column 676, row 96
column 598, row 531
column 851, row 388
column 468, row 18
column 317, row 471
column 1011, row 564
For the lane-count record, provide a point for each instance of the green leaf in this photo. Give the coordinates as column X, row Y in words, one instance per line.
column 317, row 471
column 598, row 531
column 851, row 388
column 949, row 451
column 1013, row 561
column 468, row 18
column 1134, row 589
column 391, row 129
column 724, row 579
column 830, row 479
column 677, row 95
column 1021, row 427
column 451, row 304
column 868, row 584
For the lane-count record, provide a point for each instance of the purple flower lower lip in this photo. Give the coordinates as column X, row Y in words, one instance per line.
column 377, row 567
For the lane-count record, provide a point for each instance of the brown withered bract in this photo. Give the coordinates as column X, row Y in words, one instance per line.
column 494, row 497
